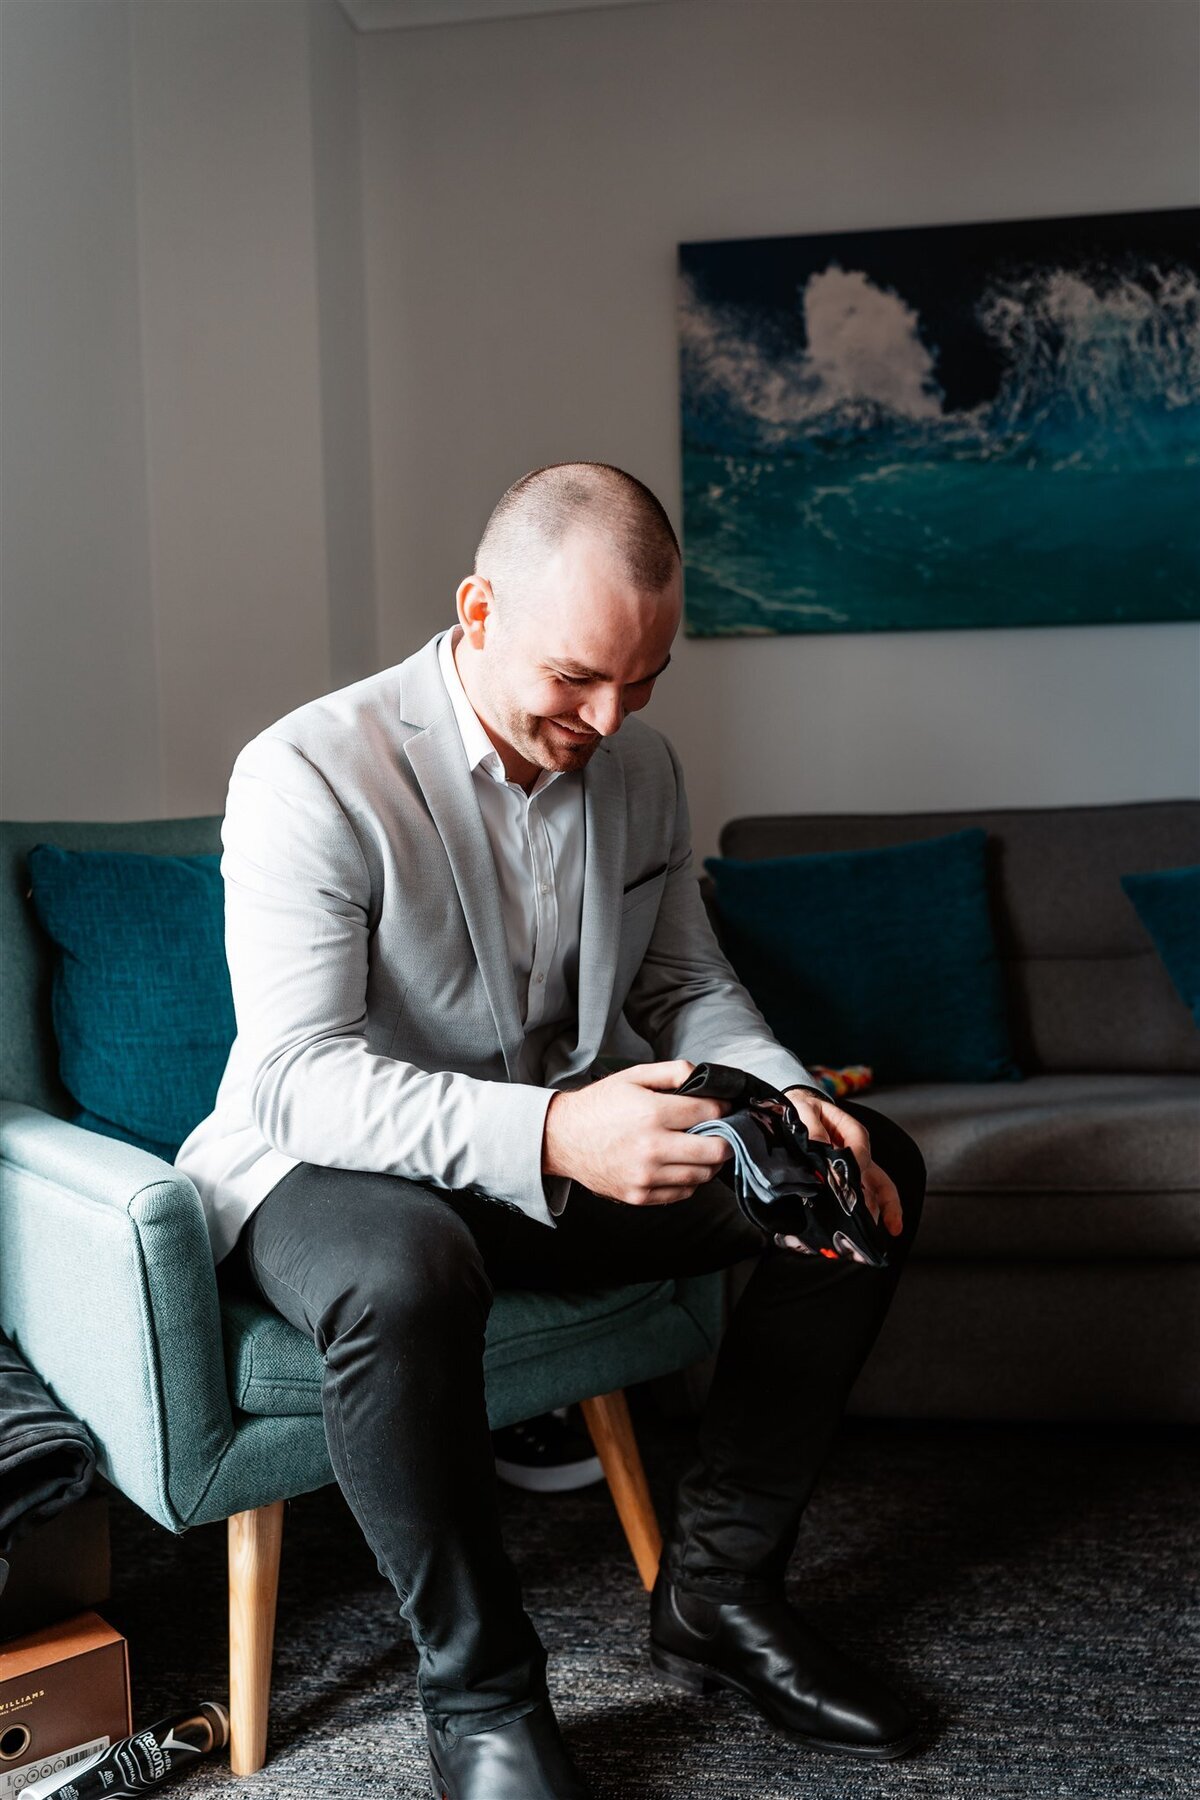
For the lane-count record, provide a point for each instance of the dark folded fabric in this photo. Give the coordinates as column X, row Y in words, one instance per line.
column 788, row 1184
column 47, row 1458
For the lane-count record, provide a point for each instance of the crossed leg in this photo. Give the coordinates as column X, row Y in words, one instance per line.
column 394, row 1282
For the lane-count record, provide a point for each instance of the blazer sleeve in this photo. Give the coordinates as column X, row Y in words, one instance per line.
column 686, row 999
column 297, row 910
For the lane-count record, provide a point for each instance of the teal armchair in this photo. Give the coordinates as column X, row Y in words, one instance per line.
column 205, row 1404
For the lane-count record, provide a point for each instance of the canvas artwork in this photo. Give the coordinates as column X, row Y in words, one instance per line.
column 958, row 425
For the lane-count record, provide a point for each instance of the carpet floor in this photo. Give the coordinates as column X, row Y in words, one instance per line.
column 1032, row 1590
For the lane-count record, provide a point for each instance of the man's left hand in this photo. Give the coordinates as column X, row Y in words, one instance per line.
column 831, row 1124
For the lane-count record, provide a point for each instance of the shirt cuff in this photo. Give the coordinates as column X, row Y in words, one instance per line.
column 557, row 1187
column 806, row 1087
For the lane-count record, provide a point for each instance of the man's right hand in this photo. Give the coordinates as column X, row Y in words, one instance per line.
column 626, row 1135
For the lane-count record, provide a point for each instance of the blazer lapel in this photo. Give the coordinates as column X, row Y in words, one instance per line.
column 603, row 875
column 435, row 754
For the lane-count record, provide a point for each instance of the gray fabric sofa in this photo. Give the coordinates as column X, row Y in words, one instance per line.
column 1057, row 1271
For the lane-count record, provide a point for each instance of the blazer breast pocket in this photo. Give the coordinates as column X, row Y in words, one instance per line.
column 646, row 885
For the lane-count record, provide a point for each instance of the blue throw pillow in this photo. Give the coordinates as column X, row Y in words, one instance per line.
column 141, row 999
column 884, row 957
column 1167, row 902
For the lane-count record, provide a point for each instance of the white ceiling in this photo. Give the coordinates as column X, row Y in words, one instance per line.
column 398, row 15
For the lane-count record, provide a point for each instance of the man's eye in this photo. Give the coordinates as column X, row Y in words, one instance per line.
column 582, row 681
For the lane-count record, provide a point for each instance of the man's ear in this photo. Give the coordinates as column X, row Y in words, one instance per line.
column 474, row 601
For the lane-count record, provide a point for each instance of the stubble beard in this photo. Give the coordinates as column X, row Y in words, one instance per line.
column 544, row 745
column 537, row 740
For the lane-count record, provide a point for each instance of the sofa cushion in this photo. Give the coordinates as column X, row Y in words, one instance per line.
column 142, row 1005
column 879, row 956
column 1168, row 904
column 274, row 1368
column 1061, row 1165
column 1087, row 989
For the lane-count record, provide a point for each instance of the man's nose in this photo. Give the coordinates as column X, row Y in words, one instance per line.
column 604, row 714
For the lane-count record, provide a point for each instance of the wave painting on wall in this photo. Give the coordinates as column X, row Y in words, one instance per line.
column 959, row 425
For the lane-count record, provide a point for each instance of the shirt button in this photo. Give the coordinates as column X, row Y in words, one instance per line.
column 545, row 887
column 539, row 978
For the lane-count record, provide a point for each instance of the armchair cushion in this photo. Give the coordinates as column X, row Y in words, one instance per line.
column 273, row 1368
column 141, row 999
column 543, row 1348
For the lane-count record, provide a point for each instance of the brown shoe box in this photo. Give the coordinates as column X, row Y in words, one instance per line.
column 64, row 1691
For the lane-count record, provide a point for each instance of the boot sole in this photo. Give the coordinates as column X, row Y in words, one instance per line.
column 701, row 1678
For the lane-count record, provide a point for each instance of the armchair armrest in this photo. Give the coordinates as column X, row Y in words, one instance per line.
column 108, row 1290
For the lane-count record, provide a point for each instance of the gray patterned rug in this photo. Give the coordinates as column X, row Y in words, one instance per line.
column 1032, row 1590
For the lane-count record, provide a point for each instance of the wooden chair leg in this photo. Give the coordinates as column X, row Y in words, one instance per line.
column 254, row 1543
column 607, row 1419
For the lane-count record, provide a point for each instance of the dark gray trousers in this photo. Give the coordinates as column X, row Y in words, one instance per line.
column 394, row 1280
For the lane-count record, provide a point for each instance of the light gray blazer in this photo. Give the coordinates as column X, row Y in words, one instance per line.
column 377, row 1014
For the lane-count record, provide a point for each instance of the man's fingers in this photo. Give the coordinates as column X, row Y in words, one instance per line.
column 853, row 1135
column 663, row 1076
column 837, row 1127
column 678, row 1180
column 825, row 1121
column 880, row 1189
column 691, row 1147
column 679, row 1111
column 667, row 1174
column 812, row 1116
column 690, row 1150
column 674, row 1183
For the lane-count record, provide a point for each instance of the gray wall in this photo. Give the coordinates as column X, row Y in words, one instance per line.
column 526, row 183
column 78, row 687
column 230, row 360
column 341, row 318
column 285, row 309
column 186, row 530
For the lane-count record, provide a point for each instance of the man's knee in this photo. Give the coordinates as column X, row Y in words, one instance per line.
column 897, row 1153
column 423, row 1274
column 890, row 1142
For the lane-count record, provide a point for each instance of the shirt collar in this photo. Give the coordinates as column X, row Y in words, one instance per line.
column 479, row 748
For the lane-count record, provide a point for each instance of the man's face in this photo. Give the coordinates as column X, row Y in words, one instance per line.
column 560, row 670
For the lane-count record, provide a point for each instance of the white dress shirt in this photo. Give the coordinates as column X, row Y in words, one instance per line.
column 537, row 841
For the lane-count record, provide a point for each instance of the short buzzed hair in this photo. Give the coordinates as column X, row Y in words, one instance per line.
column 533, row 516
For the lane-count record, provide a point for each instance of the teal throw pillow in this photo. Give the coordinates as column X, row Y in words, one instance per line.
column 884, row 957
column 1167, row 902
column 141, row 999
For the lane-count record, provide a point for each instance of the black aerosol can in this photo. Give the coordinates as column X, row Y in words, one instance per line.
column 134, row 1765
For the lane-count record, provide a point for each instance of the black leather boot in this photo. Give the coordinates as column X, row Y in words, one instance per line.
column 523, row 1760
column 803, row 1685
